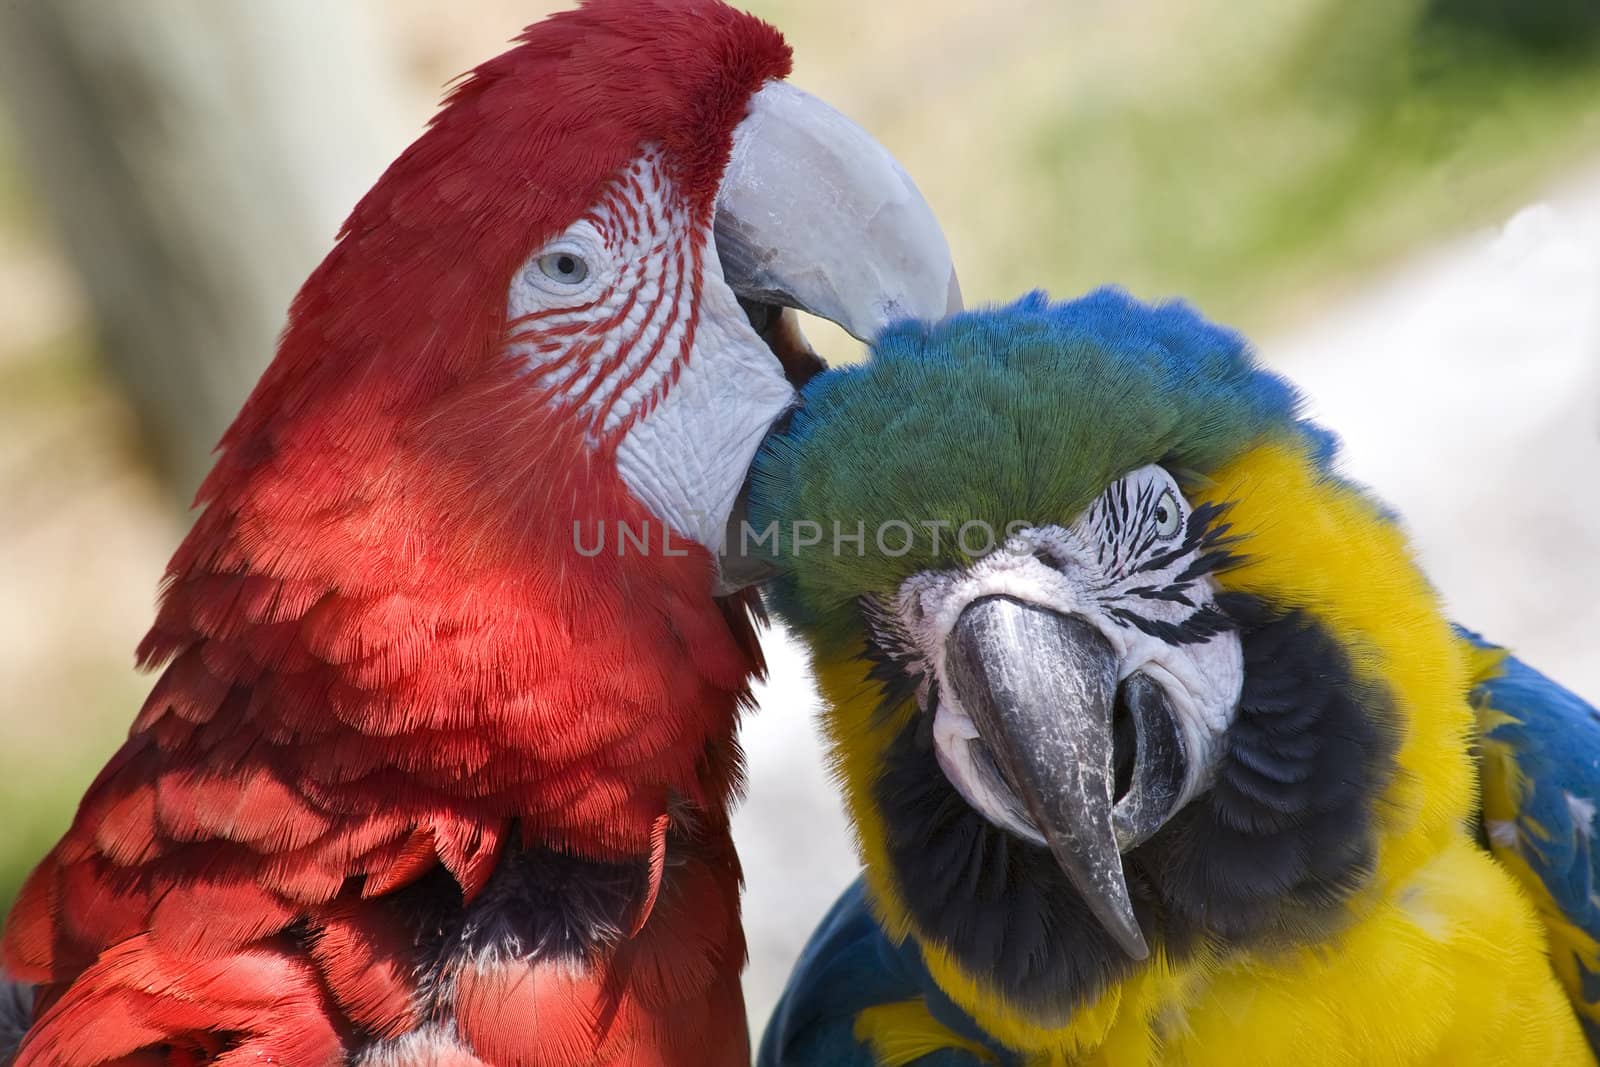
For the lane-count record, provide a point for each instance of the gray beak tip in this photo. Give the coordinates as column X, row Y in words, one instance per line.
column 953, row 301
column 1125, row 930
column 1096, row 872
column 1135, row 947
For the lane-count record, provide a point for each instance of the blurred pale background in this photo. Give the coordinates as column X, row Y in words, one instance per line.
column 1400, row 199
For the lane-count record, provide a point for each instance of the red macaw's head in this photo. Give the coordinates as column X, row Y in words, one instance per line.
column 582, row 273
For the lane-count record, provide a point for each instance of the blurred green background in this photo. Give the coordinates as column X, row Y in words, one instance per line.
column 1261, row 157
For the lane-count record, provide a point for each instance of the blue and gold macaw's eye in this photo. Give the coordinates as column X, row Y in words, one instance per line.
column 1167, row 516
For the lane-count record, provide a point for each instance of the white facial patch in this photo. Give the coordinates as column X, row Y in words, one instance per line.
column 625, row 321
column 687, row 458
column 1131, row 566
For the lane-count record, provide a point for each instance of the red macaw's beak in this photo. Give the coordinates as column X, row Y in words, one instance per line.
column 815, row 215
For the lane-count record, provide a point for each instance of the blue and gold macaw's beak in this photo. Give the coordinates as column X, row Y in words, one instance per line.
column 1040, row 688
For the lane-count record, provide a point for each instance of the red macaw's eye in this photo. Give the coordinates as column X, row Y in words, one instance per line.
column 567, row 268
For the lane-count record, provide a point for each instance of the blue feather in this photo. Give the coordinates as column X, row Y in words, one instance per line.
column 1541, row 762
column 850, row 965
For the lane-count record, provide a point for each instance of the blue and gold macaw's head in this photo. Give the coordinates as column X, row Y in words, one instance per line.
column 1118, row 668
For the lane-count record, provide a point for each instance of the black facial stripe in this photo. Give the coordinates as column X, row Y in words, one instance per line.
column 1211, row 563
column 1176, row 593
column 1145, row 545
column 1216, row 541
column 1144, row 512
column 1197, row 534
column 1147, row 493
column 1267, row 855
column 1200, row 625
column 1203, row 522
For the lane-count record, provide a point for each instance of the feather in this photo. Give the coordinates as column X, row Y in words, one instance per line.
column 1540, row 758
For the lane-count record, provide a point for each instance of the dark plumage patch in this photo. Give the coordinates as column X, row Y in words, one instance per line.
column 1287, row 831
column 16, row 1015
column 1282, row 838
column 1591, row 1033
column 542, row 904
column 538, row 904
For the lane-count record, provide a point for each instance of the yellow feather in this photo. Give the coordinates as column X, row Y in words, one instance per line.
column 905, row 1031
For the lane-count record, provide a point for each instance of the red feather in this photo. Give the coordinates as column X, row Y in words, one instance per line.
column 365, row 954
column 380, row 650
column 658, row 866
column 259, row 1005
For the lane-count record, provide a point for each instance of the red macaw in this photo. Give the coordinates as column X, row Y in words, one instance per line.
column 438, row 766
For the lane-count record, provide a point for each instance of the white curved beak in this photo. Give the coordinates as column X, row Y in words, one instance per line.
column 814, row 214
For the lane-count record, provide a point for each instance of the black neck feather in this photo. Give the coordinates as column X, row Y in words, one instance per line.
column 1270, row 853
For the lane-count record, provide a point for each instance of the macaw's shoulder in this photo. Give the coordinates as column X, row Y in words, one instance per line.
column 857, row 999
column 1541, row 787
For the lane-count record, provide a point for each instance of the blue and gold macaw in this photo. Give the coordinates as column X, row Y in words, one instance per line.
column 1157, row 745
